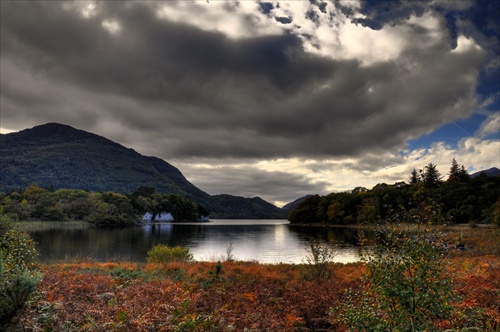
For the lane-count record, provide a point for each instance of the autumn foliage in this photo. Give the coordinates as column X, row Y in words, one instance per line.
column 238, row 296
column 191, row 297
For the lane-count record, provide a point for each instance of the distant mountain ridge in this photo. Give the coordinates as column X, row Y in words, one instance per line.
column 488, row 172
column 61, row 156
column 292, row 205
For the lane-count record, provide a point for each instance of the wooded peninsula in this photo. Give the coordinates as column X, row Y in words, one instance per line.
column 459, row 199
column 98, row 208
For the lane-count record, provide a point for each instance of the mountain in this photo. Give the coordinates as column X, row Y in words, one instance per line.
column 488, row 172
column 242, row 208
column 60, row 156
column 292, row 205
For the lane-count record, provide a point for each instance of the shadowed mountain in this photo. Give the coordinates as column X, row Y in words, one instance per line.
column 60, row 156
column 488, row 172
column 292, row 205
column 252, row 208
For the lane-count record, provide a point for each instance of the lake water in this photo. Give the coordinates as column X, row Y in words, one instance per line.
column 265, row 241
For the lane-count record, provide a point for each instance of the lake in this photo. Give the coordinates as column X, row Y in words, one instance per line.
column 265, row 241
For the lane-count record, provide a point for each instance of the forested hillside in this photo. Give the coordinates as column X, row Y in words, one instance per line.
column 242, row 208
column 57, row 156
column 458, row 198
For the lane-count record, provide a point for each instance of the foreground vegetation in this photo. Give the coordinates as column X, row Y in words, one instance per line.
column 191, row 297
column 18, row 273
column 173, row 293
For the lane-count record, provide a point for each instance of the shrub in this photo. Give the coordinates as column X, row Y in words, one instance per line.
column 18, row 279
column 406, row 288
column 229, row 252
column 318, row 262
column 495, row 214
column 164, row 254
column 125, row 274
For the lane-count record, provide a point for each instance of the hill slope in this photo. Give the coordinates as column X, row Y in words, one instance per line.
column 292, row 205
column 251, row 208
column 488, row 172
column 64, row 157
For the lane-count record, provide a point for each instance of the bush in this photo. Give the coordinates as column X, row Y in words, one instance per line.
column 406, row 288
column 18, row 278
column 125, row 274
column 164, row 254
column 318, row 262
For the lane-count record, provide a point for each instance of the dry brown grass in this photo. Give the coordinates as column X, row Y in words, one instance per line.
column 124, row 296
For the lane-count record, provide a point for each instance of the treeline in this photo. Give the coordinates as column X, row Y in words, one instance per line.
column 458, row 199
column 99, row 208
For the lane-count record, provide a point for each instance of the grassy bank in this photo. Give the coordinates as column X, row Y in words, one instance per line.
column 242, row 296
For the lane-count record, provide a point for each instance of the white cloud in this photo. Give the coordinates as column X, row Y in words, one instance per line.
column 490, row 126
column 234, row 19
column 87, row 9
column 465, row 44
column 112, row 26
column 370, row 45
column 322, row 176
column 6, row 130
column 331, row 34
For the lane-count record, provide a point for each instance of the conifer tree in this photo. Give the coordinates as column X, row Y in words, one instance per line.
column 431, row 177
column 458, row 172
column 454, row 169
column 414, row 177
column 463, row 175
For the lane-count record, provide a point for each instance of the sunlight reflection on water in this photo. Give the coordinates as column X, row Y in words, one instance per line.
column 265, row 241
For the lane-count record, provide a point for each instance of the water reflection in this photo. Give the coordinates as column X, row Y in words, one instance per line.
column 266, row 241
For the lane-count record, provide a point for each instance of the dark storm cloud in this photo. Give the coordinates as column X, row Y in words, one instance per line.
column 194, row 92
column 152, row 56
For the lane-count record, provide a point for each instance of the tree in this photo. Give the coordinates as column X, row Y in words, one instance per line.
column 457, row 172
column 495, row 214
column 318, row 262
column 144, row 191
column 431, row 177
column 463, row 175
column 367, row 212
column 181, row 208
column 359, row 190
column 306, row 212
column 454, row 169
column 414, row 177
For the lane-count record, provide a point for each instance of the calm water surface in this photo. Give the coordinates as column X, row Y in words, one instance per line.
column 265, row 241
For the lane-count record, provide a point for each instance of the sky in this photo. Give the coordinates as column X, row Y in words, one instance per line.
column 272, row 99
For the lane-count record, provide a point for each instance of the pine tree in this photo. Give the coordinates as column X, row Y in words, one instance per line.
column 463, row 175
column 431, row 176
column 454, row 169
column 458, row 172
column 414, row 177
